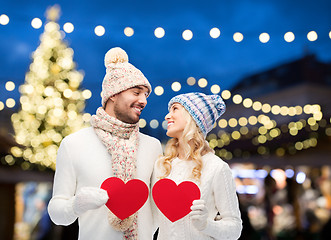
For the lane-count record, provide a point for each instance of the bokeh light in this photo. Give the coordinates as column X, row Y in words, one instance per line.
column 187, row 35
column 68, row 27
column 214, row 32
column 215, row 89
column 312, row 36
column 238, row 37
column 159, row 32
column 202, row 82
column 289, row 37
column 4, row 19
column 128, row 31
column 99, row 30
column 176, row 86
column 158, row 90
column 36, row 23
column 191, row 81
column 264, row 37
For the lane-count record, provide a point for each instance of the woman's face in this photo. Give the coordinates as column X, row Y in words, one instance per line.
column 176, row 121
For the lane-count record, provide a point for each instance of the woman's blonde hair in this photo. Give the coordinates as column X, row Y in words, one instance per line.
column 194, row 147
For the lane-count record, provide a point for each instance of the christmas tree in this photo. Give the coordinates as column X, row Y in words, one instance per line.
column 52, row 103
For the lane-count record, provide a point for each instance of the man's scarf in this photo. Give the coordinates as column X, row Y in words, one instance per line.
column 121, row 140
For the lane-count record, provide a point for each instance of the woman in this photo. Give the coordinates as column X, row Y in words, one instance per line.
column 188, row 157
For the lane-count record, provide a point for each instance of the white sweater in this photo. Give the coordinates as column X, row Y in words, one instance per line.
column 82, row 161
column 219, row 192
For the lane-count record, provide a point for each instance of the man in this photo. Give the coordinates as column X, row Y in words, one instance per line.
column 113, row 146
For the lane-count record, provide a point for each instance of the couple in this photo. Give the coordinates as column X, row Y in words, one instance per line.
column 113, row 146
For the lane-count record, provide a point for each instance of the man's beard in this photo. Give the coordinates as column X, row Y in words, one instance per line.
column 124, row 116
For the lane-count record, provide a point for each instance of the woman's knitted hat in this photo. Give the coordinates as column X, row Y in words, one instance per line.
column 120, row 74
column 204, row 109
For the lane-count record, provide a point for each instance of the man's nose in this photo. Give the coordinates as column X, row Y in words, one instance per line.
column 143, row 99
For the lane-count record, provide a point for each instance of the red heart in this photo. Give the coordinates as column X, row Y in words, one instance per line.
column 175, row 201
column 125, row 199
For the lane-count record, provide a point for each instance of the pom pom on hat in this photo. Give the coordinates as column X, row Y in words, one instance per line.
column 116, row 55
column 120, row 75
column 204, row 109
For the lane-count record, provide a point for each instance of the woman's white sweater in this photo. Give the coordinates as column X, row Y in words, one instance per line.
column 219, row 192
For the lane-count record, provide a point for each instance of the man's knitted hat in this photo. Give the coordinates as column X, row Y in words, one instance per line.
column 204, row 109
column 120, row 74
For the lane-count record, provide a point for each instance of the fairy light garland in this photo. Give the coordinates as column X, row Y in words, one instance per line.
column 160, row 32
column 55, row 107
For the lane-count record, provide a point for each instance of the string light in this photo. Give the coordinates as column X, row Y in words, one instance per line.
column 257, row 106
column 262, row 150
column 86, row 94
column 215, row 89
column 99, row 30
column 312, row 36
column 267, row 132
column 191, row 81
column 226, row 94
column 165, row 125
column 238, row 37
column 222, row 123
column 128, row 31
column 68, row 27
column 10, row 86
column 214, row 32
column 158, row 90
column 154, row 123
column 36, row 23
column 243, row 121
column 264, row 37
column 176, row 86
column 247, row 102
column 159, row 32
column 289, row 37
column 142, row 123
column 202, row 82
column 4, row 19
column 10, row 103
column 237, row 99
column 187, row 35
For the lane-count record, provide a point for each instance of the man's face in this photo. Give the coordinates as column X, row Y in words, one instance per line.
column 128, row 104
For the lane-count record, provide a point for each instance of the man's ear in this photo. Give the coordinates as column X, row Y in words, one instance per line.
column 112, row 98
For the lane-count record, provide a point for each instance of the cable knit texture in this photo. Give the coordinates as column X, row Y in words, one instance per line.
column 204, row 109
column 83, row 161
column 219, row 193
column 120, row 74
column 121, row 140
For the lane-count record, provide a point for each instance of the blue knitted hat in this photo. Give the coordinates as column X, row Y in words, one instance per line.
column 204, row 109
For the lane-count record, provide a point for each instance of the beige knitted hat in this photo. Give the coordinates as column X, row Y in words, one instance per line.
column 120, row 74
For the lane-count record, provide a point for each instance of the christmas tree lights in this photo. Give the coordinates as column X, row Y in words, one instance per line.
column 51, row 101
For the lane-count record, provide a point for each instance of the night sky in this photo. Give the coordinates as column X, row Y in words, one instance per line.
column 221, row 61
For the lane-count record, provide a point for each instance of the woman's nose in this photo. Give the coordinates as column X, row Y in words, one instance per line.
column 167, row 116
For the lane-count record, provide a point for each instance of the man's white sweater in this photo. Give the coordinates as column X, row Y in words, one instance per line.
column 83, row 161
